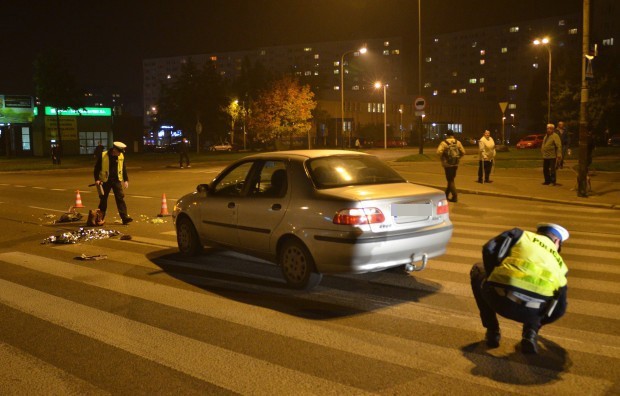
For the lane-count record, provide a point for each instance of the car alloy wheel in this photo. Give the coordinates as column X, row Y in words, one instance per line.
column 298, row 266
column 187, row 237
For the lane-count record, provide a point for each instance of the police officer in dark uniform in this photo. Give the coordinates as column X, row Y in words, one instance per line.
column 110, row 172
column 523, row 278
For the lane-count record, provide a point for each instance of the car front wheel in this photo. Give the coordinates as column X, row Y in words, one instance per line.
column 298, row 266
column 187, row 238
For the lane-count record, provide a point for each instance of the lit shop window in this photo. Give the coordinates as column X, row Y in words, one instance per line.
column 504, row 50
column 514, row 29
column 512, row 87
column 473, row 81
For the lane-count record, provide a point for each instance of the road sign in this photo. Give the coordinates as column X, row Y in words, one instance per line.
column 420, row 103
column 502, row 106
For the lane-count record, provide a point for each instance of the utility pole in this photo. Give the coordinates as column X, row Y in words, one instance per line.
column 420, row 123
column 582, row 178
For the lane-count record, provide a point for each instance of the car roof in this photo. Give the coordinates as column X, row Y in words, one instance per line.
column 305, row 153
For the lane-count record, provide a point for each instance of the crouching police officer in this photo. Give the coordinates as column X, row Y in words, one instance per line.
column 523, row 278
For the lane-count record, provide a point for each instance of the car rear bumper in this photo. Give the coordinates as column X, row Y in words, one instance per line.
column 351, row 254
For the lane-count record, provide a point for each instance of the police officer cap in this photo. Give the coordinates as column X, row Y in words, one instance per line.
column 554, row 229
column 120, row 146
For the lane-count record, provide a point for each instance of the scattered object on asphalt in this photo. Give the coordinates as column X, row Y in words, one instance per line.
column 94, row 257
column 69, row 216
column 125, row 237
column 81, row 235
column 157, row 221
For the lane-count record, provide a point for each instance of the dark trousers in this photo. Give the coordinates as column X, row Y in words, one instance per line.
column 549, row 170
column 450, row 176
column 486, row 166
column 182, row 156
column 119, row 197
column 490, row 303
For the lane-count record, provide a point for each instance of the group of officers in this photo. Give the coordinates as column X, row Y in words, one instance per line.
column 522, row 275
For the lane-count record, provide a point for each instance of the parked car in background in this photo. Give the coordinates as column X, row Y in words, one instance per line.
column 221, row 147
column 531, row 141
column 614, row 141
column 316, row 211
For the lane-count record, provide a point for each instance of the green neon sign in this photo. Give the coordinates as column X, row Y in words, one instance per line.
column 86, row 111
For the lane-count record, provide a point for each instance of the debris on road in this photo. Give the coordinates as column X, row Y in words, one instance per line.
column 81, row 235
column 93, row 257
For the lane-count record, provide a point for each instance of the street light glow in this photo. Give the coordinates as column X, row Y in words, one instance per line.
column 378, row 85
column 545, row 42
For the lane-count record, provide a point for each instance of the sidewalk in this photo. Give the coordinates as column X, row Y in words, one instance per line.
column 521, row 183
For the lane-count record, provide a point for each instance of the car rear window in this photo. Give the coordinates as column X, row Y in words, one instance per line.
column 346, row 170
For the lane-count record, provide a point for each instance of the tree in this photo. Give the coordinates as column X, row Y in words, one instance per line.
column 284, row 110
column 55, row 86
column 196, row 95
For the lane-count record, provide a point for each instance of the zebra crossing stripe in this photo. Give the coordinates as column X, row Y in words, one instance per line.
column 185, row 354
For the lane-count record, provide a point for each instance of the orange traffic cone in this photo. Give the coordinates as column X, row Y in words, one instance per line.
column 78, row 200
column 164, row 207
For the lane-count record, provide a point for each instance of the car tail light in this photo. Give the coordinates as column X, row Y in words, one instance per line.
column 442, row 207
column 359, row 216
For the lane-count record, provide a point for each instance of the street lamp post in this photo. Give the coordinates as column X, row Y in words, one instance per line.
column 361, row 51
column 545, row 43
column 400, row 110
column 379, row 85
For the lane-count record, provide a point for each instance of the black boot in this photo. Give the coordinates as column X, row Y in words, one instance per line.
column 529, row 342
column 492, row 338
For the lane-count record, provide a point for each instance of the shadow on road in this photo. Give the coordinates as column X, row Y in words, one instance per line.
column 517, row 368
column 261, row 284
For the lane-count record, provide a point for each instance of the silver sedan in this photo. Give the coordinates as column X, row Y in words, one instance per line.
column 316, row 211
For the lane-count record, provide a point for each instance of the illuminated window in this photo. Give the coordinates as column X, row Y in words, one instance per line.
column 463, row 90
column 427, row 85
column 514, row 29
column 336, row 88
column 436, row 40
column 474, row 44
column 298, row 73
column 608, row 42
column 561, row 22
column 573, row 31
column 386, row 43
column 336, row 63
column 512, row 87
column 336, row 71
column 454, row 91
column 454, row 74
column 168, row 76
column 316, row 56
column 213, row 58
column 473, row 81
column 307, row 49
column 504, row 50
column 316, row 73
column 481, row 80
column 435, row 93
column 535, row 65
column 395, row 52
column 355, row 87
column 482, row 61
column 386, row 52
column 307, row 73
column 512, row 106
column 482, row 52
column 428, row 59
column 481, row 89
column 262, row 52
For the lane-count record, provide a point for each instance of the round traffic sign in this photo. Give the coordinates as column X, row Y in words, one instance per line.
column 420, row 103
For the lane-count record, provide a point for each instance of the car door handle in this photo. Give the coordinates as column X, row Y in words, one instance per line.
column 276, row 207
column 231, row 205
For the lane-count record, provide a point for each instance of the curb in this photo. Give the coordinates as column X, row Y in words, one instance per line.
column 527, row 198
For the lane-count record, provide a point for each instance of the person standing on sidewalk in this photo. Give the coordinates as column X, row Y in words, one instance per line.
column 183, row 149
column 486, row 146
column 522, row 278
column 450, row 152
column 110, row 172
column 551, row 150
column 565, row 139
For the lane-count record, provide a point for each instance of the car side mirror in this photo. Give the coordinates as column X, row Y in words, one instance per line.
column 202, row 188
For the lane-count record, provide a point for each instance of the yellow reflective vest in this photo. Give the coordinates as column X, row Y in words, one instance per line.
column 105, row 166
column 534, row 265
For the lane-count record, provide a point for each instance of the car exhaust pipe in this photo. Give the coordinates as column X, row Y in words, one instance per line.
column 413, row 267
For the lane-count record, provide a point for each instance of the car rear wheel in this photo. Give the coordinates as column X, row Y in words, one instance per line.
column 187, row 237
column 298, row 266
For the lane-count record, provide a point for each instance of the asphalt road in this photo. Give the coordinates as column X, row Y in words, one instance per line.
column 146, row 321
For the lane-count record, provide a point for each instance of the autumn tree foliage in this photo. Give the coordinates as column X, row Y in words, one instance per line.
column 283, row 111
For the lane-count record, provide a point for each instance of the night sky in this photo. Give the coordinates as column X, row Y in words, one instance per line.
column 107, row 40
